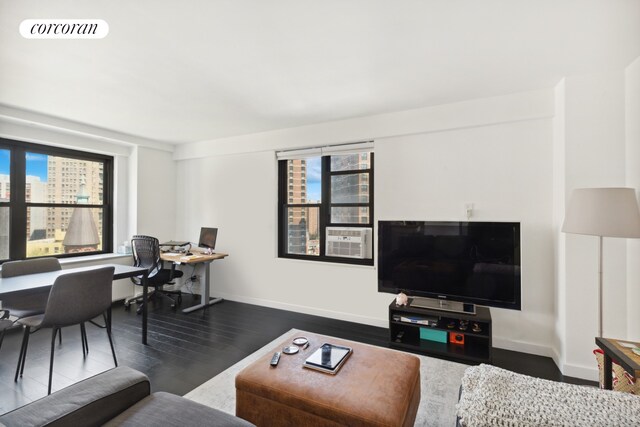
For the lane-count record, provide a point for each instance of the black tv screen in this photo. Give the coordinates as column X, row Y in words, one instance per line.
column 470, row 262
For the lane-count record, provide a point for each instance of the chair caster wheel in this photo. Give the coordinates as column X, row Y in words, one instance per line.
column 139, row 310
column 127, row 306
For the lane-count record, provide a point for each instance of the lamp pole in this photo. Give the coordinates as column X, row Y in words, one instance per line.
column 600, row 287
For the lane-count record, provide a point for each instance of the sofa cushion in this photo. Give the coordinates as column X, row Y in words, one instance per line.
column 165, row 409
column 87, row 403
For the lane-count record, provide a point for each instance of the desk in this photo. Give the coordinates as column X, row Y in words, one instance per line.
column 29, row 282
column 197, row 258
column 624, row 356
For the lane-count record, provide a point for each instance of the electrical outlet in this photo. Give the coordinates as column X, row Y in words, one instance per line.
column 468, row 210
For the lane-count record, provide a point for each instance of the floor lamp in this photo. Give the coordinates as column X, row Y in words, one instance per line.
column 603, row 212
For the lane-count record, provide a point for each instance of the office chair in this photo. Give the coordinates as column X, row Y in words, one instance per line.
column 146, row 253
column 75, row 298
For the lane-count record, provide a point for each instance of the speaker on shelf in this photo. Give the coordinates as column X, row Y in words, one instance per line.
column 456, row 338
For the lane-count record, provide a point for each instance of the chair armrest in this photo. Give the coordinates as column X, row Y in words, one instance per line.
column 90, row 402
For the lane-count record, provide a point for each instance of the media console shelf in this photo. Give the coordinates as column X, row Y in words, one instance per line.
column 408, row 330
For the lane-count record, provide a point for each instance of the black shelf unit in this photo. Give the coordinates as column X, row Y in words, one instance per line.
column 477, row 345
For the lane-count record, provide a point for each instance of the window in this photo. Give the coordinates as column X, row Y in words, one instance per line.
column 57, row 201
column 328, row 216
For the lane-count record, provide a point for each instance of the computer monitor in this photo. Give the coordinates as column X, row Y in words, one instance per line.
column 208, row 237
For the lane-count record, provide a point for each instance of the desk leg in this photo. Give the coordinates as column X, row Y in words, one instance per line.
column 206, row 299
column 145, row 292
column 607, row 372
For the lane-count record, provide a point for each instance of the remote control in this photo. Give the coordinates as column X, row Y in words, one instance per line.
column 275, row 359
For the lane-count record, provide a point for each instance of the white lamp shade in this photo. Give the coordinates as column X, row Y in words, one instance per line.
column 609, row 212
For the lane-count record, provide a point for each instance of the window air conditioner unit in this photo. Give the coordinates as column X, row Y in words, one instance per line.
column 349, row 242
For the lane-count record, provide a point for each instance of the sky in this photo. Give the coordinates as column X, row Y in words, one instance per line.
column 36, row 164
column 4, row 162
column 313, row 178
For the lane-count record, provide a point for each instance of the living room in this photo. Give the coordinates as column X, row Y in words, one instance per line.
column 508, row 106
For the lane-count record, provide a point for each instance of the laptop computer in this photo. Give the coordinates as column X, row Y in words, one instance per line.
column 208, row 236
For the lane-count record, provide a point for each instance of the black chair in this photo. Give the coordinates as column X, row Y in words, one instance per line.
column 75, row 298
column 146, row 254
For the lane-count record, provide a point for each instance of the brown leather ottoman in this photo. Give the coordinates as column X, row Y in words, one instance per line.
column 375, row 387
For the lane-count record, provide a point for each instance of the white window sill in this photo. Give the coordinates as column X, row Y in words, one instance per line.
column 94, row 258
column 325, row 263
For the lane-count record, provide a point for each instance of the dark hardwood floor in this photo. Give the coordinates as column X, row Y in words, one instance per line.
column 184, row 351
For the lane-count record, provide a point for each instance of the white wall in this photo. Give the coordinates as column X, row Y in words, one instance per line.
column 504, row 167
column 594, row 153
column 155, row 194
column 559, row 197
column 632, row 135
column 472, row 113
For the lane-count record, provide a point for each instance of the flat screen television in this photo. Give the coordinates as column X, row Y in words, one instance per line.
column 468, row 262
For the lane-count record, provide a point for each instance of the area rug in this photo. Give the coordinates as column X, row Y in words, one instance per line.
column 440, row 382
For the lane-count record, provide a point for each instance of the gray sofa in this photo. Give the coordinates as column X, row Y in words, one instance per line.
column 118, row 397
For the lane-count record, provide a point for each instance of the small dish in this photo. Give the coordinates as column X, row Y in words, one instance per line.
column 291, row 349
column 300, row 341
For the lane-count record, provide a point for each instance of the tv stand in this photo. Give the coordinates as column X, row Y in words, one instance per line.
column 444, row 305
column 459, row 336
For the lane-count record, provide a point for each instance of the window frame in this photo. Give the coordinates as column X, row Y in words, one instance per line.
column 18, row 205
column 324, row 216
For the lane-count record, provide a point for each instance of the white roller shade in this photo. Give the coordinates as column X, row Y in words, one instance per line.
column 298, row 154
column 359, row 147
column 328, row 150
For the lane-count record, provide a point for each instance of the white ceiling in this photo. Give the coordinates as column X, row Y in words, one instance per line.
column 183, row 71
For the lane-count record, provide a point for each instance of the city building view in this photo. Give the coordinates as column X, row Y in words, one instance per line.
column 304, row 188
column 350, row 188
column 303, row 222
column 53, row 180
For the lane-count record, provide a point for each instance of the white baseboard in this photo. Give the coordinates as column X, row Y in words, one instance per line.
column 523, row 347
column 382, row 323
column 556, row 358
column 579, row 371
